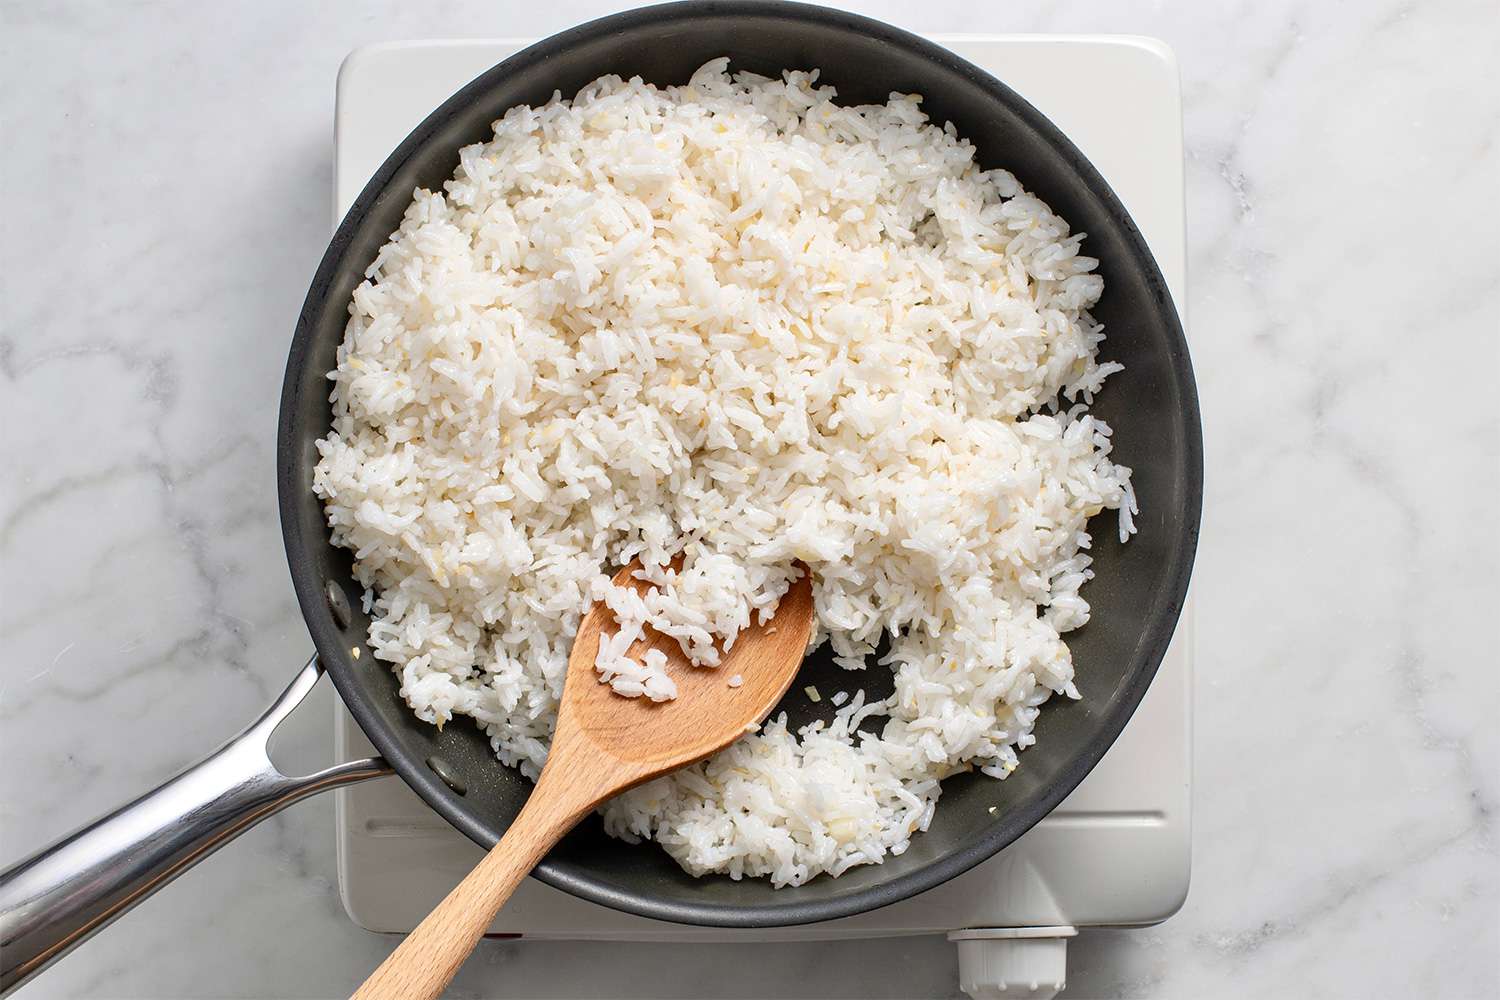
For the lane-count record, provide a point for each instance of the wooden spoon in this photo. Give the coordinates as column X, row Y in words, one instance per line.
column 604, row 744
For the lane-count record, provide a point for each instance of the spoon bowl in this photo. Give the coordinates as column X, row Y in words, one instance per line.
column 707, row 715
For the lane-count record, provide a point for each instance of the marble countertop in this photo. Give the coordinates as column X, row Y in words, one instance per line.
column 165, row 180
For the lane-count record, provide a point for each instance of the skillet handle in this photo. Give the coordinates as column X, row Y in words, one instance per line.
column 57, row 898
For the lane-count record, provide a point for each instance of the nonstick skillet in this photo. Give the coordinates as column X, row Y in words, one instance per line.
column 57, row 898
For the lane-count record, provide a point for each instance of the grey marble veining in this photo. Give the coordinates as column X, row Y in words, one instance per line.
column 165, row 176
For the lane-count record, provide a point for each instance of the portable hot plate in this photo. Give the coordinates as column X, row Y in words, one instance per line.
column 1117, row 851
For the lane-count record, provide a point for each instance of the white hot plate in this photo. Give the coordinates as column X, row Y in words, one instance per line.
column 1117, row 851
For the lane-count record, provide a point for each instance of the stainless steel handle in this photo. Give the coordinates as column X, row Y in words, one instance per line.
column 57, row 898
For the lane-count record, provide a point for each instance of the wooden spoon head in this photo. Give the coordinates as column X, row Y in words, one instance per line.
column 641, row 739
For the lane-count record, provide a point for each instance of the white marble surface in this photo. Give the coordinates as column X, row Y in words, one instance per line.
column 165, row 174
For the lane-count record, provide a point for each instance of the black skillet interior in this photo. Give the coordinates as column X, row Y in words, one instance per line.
column 1152, row 405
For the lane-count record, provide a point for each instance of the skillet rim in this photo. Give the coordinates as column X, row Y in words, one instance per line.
column 352, row 684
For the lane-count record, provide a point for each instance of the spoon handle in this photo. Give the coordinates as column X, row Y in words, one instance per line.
column 422, row 965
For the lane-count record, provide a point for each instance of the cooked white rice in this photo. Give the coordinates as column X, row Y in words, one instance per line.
column 740, row 324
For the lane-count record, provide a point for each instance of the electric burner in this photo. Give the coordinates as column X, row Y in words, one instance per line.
column 1117, row 851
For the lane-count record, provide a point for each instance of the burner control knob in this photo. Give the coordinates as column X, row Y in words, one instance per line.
column 1013, row 963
